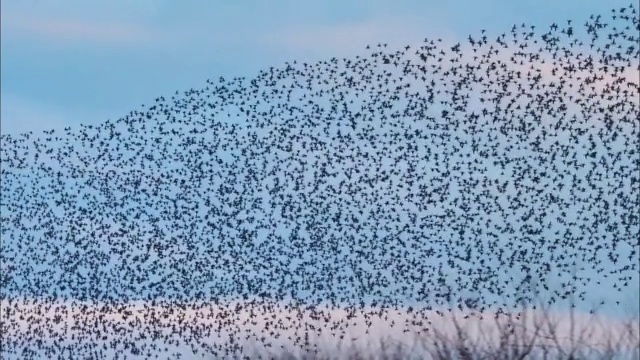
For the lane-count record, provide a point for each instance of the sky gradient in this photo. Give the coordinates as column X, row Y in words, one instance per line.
column 67, row 63
column 103, row 61
column 74, row 62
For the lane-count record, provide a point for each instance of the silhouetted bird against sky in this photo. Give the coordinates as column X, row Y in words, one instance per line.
column 464, row 175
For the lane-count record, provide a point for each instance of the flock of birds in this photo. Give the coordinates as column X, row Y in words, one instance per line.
column 476, row 175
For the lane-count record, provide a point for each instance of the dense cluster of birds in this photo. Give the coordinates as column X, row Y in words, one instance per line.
column 475, row 175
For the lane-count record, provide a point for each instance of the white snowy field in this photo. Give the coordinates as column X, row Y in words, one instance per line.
column 38, row 330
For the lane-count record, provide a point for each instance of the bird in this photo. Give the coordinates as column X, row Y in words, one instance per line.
column 450, row 179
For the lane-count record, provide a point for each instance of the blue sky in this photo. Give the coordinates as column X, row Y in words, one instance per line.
column 66, row 63
column 71, row 62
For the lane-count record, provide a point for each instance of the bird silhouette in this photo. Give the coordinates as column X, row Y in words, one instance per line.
column 458, row 176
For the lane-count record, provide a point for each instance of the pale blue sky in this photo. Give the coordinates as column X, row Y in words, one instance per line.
column 66, row 63
column 71, row 62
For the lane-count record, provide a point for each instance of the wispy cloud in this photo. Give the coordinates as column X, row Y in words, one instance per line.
column 74, row 30
column 349, row 37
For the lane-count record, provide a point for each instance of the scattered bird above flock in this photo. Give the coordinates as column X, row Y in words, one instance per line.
column 459, row 176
